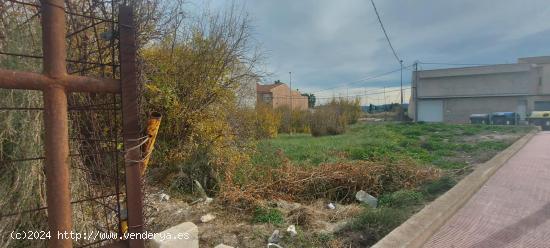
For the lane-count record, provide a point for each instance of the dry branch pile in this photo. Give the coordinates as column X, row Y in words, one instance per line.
column 338, row 182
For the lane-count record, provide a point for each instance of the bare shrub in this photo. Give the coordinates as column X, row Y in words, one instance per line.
column 333, row 118
column 327, row 120
column 295, row 121
column 193, row 79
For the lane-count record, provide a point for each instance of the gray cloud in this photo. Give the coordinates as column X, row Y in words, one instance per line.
column 326, row 42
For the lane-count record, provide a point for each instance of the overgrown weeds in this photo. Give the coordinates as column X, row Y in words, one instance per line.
column 401, row 198
column 336, row 181
column 377, row 223
column 394, row 162
column 295, row 121
column 333, row 118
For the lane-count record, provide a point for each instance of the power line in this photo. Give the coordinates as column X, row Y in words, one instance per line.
column 385, row 33
column 365, row 94
column 367, row 90
column 363, row 80
column 372, row 92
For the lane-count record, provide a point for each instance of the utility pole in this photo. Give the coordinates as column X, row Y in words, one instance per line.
column 385, row 109
column 290, row 98
column 366, row 97
column 415, row 91
column 402, row 110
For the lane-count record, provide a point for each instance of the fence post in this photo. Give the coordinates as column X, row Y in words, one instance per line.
column 131, row 126
column 56, row 124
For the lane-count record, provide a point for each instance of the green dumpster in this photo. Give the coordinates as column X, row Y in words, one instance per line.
column 480, row 119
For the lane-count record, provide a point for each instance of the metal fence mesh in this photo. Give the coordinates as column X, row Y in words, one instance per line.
column 97, row 170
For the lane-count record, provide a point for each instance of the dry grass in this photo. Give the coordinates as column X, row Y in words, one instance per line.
column 334, row 181
column 22, row 183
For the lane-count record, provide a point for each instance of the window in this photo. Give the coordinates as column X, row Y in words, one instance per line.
column 266, row 97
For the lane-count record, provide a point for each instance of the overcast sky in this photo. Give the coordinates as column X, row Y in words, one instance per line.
column 327, row 43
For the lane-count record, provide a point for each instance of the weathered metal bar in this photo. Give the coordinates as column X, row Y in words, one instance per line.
column 130, row 123
column 44, row 208
column 34, row 81
column 31, row 56
column 23, row 80
column 53, row 38
column 56, row 124
column 57, row 164
column 92, row 85
column 21, row 108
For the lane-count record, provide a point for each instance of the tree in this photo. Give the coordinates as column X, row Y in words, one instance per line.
column 371, row 108
column 311, row 99
column 192, row 81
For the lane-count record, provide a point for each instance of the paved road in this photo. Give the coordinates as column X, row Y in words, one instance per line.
column 511, row 210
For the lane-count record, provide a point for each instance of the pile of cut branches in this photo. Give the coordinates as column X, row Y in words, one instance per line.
column 334, row 181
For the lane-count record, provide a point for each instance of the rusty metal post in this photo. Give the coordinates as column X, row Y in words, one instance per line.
column 130, row 124
column 56, row 124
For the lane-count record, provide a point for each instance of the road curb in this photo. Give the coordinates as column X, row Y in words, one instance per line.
column 417, row 230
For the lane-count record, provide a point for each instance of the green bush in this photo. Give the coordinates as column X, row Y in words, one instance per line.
column 268, row 122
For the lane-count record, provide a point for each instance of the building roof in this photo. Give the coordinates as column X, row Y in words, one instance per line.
column 523, row 65
column 474, row 70
column 266, row 88
column 535, row 60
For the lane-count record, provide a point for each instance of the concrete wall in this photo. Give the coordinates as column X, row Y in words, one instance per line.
column 246, row 92
column 299, row 102
column 458, row 110
column 544, row 80
column 531, row 102
column 478, row 81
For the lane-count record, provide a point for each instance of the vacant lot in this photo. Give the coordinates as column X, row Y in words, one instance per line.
column 455, row 149
column 297, row 176
column 446, row 146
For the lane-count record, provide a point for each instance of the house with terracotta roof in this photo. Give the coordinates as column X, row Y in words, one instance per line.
column 278, row 95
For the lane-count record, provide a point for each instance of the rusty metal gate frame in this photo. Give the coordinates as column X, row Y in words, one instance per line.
column 56, row 84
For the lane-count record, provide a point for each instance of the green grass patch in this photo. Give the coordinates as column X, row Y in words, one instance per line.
column 401, row 198
column 421, row 142
column 268, row 215
column 433, row 189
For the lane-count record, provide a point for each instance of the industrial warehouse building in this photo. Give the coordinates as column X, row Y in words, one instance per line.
column 452, row 95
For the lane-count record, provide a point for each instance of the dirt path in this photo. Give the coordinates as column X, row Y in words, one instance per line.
column 511, row 210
